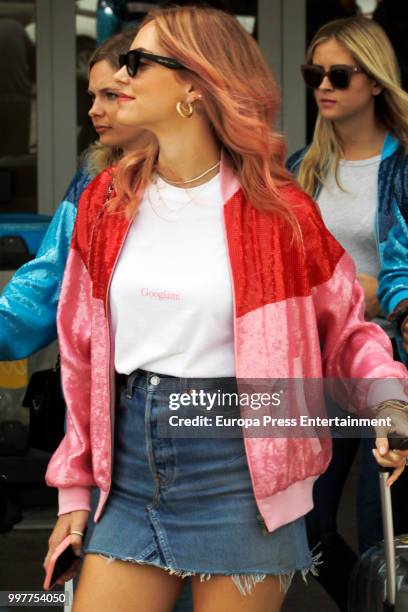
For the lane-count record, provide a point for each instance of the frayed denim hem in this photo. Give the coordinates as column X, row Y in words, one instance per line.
column 285, row 580
column 243, row 582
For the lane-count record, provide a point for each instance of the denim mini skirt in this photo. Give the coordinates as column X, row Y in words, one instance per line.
column 186, row 504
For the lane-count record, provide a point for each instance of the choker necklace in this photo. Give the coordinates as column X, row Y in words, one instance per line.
column 189, row 180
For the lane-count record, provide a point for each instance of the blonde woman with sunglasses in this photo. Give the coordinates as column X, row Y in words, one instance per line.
column 357, row 155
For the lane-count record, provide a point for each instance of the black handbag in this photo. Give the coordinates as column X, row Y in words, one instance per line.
column 10, row 513
column 47, row 407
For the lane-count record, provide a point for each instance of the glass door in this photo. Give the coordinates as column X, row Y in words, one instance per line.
column 18, row 144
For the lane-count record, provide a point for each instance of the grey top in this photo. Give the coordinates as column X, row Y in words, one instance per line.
column 349, row 212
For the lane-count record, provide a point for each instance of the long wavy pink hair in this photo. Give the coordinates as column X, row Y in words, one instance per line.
column 239, row 96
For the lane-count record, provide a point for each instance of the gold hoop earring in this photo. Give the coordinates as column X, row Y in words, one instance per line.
column 185, row 109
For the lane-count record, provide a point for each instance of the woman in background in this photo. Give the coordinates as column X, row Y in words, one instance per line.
column 28, row 303
column 359, row 146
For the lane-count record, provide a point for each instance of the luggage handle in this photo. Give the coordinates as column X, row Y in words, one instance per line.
column 395, row 443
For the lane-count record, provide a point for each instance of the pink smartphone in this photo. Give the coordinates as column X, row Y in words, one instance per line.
column 60, row 562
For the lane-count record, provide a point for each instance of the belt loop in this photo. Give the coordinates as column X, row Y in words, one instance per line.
column 129, row 384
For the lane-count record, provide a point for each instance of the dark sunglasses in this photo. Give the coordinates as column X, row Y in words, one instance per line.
column 132, row 58
column 339, row 75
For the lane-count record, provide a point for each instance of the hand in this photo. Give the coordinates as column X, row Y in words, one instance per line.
column 370, row 287
column 390, row 458
column 398, row 413
column 72, row 521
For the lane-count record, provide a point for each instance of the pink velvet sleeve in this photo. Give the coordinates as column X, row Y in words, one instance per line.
column 353, row 348
column 70, row 467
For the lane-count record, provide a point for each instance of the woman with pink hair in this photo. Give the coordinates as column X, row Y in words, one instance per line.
column 195, row 263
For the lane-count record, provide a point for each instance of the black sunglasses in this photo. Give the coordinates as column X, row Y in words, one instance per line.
column 132, row 58
column 339, row 75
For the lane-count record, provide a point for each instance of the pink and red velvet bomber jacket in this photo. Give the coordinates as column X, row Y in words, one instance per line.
column 298, row 312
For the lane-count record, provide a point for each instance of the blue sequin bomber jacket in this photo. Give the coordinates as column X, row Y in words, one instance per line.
column 28, row 303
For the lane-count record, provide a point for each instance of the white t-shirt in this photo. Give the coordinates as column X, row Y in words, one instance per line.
column 350, row 214
column 171, row 296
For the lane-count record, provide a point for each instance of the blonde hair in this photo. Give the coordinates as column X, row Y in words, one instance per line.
column 98, row 157
column 239, row 96
column 371, row 49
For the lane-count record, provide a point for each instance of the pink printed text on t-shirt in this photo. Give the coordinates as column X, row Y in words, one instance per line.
column 160, row 295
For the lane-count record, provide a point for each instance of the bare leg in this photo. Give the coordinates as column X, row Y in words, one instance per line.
column 122, row 586
column 220, row 594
